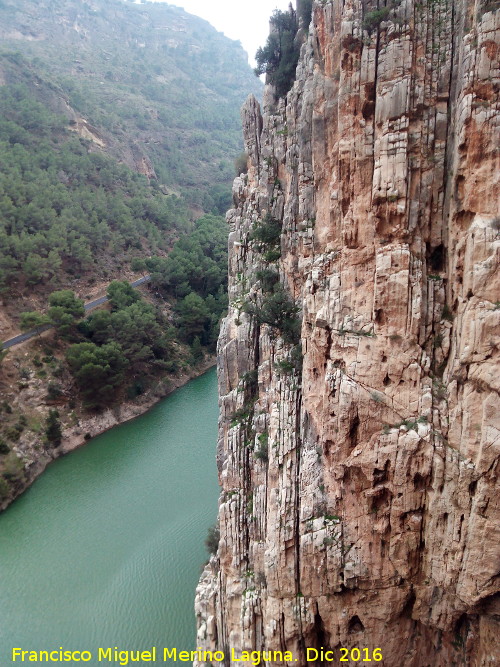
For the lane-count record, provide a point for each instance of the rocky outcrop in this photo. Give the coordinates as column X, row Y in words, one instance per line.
column 359, row 503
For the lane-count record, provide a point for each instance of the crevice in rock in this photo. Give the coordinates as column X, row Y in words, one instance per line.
column 381, row 476
column 354, row 431
column 407, row 610
column 319, row 632
column 436, row 257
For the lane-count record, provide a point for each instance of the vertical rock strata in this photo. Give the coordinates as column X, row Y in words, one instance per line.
column 360, row 503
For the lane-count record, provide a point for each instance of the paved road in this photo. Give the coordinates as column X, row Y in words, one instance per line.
column 88, row 306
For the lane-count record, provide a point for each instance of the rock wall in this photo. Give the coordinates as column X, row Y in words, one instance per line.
column 359, row 503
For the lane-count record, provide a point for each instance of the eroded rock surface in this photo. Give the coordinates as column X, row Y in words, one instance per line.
column 373, row 518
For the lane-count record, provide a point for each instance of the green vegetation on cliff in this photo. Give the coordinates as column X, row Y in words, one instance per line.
column 279, row 57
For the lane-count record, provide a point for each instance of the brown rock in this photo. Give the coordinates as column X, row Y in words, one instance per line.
column 373, row 518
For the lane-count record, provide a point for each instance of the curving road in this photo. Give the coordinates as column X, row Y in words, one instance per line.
column 88, row 306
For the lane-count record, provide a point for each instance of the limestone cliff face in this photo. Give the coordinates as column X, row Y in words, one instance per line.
column 373, row 519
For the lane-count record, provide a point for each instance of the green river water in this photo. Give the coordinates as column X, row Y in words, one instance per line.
column 105, row 549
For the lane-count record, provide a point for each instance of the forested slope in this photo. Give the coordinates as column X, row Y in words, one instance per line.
column 63, row 208
column 159, row 88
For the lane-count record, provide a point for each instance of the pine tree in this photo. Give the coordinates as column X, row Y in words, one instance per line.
column 53, row 431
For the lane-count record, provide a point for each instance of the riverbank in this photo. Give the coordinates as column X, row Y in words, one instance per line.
column 88, row 427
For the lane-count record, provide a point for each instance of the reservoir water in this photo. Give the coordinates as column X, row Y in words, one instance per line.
column 106, row 548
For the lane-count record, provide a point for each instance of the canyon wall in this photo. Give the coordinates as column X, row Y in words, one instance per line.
column 360, row 503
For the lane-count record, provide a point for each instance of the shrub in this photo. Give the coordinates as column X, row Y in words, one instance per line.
column 242, row 414
column 241, row 164
column 249, row 381
column 447, row 314
column 437, row 341
column 137, row 389
column 279, row 311
column 355, row 332
column 377, row 397
column 305, row 12
column 262, row 451
column 121, row 294
column 13, row 433
column 4, row 489
column 272, row 255
column 33, row 320
column 13, row 467
column 293, row 364
column 53, row 431
column 4, row 447
column 54, row 391
column 373, row 19
column 212, row 540
column 267, row 278
column 65, row 309
column 266, row 233
column 98, row 371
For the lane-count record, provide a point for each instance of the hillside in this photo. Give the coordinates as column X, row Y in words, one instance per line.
column 119, row 127
column 153, row 86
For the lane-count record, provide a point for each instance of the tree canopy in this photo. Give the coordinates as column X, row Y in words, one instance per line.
column 279, row 57
column 34, row 320
column 98, row 371
column 121, row 294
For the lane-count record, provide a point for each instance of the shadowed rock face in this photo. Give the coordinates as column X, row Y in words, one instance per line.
column 373, row 518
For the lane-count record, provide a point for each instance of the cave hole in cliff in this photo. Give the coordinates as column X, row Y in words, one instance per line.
column 328, row 444
column 379, row 316
column 407, row 610
column 461, row 630
column 353, row 431
column 472, row 488
column 436, row 257
column 383, row 545
column 379, row 475
column 319, row 630
column 462, row 517
column 419, row 483
column 387, row 381
column 355, row 625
